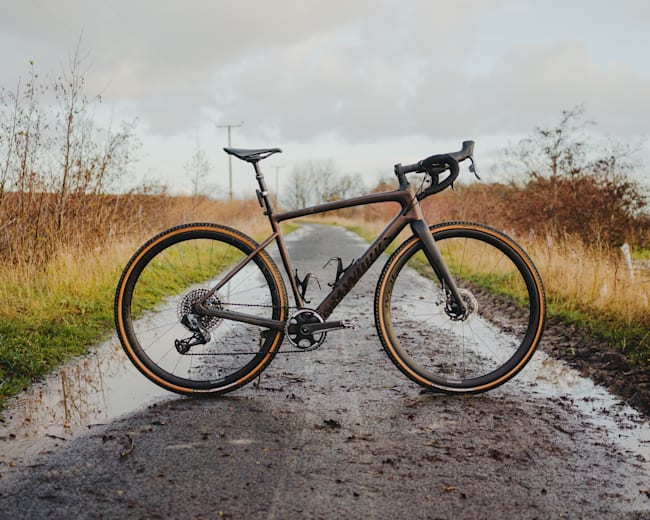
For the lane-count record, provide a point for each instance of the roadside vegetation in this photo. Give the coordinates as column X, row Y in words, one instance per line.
column 65, row 233
column 60, row 307
column 574, row 207
column 67, row 228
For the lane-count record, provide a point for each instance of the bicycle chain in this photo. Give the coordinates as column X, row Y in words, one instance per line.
column 288, row 308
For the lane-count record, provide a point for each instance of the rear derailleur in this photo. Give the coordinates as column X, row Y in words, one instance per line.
column 200, row 335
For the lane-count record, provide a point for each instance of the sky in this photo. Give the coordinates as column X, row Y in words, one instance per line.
column 364, row 83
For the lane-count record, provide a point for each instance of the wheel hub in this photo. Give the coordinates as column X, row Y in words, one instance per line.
column 471, row 306
column 187, row 306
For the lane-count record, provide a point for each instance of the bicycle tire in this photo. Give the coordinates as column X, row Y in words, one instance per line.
column 163, row 280
column 500, row 285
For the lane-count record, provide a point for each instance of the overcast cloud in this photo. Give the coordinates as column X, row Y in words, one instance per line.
column 366, row 83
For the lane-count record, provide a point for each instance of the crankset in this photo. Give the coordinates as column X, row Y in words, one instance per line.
column 299, row 333
column 307, row 330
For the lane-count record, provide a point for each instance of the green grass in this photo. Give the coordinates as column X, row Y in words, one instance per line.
column 639, row 254
column 631, row 336
column 50, row 328
column 180, row 266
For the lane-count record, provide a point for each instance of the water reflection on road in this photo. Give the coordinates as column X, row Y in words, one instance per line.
column 92, row 390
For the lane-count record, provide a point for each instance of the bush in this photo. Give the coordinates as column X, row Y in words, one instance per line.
column 574, row 188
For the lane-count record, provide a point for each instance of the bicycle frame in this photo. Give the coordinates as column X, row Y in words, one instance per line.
column 410, row 213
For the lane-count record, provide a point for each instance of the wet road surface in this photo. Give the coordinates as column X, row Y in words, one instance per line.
column 340, row 432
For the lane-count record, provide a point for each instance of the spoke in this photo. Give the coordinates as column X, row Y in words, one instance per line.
column 156, row 340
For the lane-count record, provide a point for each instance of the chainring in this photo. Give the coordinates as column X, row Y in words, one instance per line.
column 299, row 339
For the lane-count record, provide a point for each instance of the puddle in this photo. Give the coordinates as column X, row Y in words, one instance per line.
column 608, row 418
column 95, row 389
column 545, row 377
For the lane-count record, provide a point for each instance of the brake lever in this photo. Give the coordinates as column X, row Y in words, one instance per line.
column 472, row 167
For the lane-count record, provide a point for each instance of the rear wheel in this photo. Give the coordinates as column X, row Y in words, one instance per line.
column 434, row 345
column 164, row 335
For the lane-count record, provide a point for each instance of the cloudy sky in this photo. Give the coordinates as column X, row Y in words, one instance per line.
column 366, row 83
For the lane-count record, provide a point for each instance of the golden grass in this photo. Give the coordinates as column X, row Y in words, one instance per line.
column 592, row 278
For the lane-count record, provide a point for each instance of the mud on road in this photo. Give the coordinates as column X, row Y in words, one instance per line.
column 340, row 433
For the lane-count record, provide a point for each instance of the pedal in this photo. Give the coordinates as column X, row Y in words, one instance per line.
column 350, row 324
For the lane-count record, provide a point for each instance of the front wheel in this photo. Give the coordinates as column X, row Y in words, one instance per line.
column 481, row 349
column 164, row 334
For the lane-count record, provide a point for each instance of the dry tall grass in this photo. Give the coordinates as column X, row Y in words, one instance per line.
column 93, row 221
column 58, row 305
column 592, row 278
column 76, row 266
column 75, row 269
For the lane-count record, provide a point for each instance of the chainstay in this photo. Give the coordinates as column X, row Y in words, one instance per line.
column 257, row 352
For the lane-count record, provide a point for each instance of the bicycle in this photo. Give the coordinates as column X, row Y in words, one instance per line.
column 459, row 307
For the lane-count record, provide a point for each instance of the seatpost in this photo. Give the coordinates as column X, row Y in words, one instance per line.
column 263, row 193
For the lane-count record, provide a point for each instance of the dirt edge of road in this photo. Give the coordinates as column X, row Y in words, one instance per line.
column 598, row 360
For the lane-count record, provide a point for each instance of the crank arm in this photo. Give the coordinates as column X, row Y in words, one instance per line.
column 313, row 328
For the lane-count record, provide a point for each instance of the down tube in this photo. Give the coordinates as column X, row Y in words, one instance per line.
column 361, row 266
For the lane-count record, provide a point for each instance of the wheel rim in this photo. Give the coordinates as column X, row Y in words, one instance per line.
column 471, row 353
column 163, row 285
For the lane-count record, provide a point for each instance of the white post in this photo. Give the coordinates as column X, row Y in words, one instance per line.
column 628, row 259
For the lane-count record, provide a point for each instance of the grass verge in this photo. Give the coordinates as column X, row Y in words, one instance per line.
column 54, row 314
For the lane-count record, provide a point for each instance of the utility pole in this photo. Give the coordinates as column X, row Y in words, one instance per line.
column 230, row 157
column 277, row 176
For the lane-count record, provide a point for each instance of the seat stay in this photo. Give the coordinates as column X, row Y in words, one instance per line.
column 235, row 269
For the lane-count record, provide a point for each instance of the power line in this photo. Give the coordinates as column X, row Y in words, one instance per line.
column 229, row 156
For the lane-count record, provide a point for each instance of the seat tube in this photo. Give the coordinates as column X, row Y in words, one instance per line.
column 265, row 202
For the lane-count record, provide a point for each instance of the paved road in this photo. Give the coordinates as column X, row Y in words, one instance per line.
column 340, row 433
